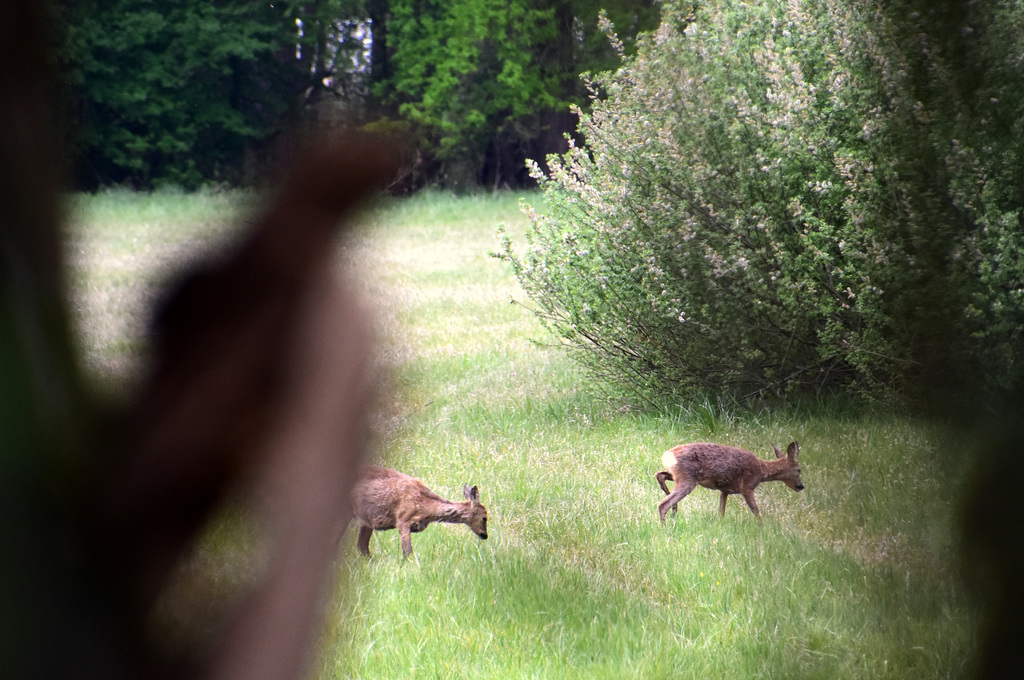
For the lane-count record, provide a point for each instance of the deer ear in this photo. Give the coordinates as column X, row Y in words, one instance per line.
column 778, row 454
column 472, row 494
column 793, row 451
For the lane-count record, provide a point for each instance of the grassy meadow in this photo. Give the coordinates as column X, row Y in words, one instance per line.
column 856, row 577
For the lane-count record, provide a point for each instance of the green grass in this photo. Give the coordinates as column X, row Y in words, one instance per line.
column 123, row 246
column 853, row 578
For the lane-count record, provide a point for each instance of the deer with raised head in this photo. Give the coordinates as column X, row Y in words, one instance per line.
column 728, row 469
column 387, row 499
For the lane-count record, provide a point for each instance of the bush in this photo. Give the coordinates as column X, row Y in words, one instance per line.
column 793, row 196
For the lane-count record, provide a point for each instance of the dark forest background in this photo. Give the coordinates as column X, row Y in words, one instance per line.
column 194, row 92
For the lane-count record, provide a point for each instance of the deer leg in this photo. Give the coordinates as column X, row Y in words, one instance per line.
column 405, row 533
column 721, row 504
column 679, row 493
column 661, row 477
column 748, row 496
column 363, row 542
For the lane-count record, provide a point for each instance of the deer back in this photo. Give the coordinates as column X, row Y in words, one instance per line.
column 715, row 466
column 383, row 496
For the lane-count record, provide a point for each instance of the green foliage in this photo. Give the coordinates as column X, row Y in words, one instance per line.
column 175, row 93
column 460, row 66
column 475, row 75
column 178, row 93
column 787, row 196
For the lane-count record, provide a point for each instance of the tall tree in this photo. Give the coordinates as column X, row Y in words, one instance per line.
column 487, row 84
column 177, row 91
column 331, row 48
column 173, row 91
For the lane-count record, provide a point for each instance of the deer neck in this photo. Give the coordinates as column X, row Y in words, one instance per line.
column 451, row 512
column 772, row 470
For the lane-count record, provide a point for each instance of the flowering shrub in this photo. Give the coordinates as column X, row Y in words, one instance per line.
column 793, row 195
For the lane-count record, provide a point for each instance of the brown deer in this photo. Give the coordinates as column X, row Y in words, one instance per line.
column 728, row 469
column 387, row 499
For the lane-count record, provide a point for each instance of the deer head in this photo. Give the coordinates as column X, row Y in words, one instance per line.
column 477, row 516
column 791, row 474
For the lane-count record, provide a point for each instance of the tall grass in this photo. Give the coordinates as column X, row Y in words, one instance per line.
column 855, row 577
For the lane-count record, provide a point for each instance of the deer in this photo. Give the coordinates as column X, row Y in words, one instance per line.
column 387, row 499
column 728, row 469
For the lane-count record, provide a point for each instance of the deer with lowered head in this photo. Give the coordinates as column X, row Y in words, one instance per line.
column 728, row 469
column 387, row 499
